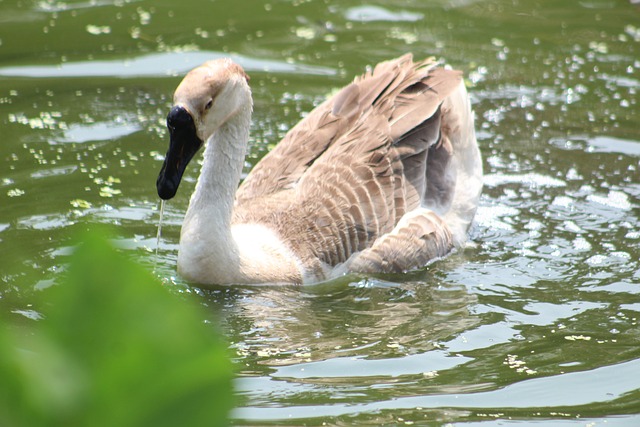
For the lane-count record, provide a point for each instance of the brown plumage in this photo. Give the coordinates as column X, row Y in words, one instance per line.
column 368, row 180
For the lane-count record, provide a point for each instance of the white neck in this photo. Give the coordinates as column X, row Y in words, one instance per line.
column 206, row 241
column 211, row 251
column 221, row 171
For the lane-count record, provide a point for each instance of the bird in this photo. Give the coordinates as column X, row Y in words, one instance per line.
column 384, row 176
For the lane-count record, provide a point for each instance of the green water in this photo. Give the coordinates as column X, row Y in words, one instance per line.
column 536, row 322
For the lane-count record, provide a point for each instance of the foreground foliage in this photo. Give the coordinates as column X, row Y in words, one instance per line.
column 115, row 349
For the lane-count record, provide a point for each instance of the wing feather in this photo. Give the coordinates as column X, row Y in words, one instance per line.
column 346, row 174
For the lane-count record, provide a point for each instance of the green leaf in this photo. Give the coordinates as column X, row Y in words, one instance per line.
column 116, row 349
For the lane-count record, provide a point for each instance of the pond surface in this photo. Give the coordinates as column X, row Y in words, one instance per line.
column 536, row 322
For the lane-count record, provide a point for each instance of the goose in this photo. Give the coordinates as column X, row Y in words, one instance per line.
column 384, row 176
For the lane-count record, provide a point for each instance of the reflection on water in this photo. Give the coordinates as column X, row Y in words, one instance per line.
column 535, row 321
column 341, row 319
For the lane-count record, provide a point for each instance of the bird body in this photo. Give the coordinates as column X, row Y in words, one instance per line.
column 384, row 176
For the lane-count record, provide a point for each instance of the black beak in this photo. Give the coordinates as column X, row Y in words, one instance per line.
column 183, row 145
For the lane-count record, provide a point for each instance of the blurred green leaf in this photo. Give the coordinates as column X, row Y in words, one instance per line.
column 116, row 349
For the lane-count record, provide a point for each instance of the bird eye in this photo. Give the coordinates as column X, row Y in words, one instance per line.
column 209, row 104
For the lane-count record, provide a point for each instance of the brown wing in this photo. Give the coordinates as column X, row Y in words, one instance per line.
column 309, row 139
column 346, row 174
column 416, row 241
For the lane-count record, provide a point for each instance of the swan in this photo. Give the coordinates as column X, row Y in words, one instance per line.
column 384, row 176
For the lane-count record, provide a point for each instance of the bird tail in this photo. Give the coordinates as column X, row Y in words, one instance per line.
column 454, row 167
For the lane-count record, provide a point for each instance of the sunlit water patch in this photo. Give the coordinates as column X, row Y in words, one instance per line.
column 376, row 13
column 157, row 65
column 80, row 133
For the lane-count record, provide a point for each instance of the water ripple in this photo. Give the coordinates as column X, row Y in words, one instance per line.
column 552, row 392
